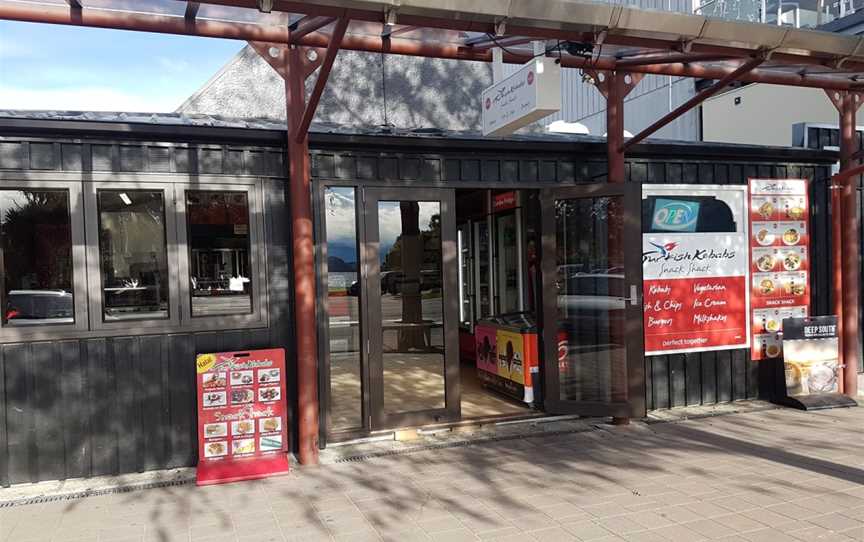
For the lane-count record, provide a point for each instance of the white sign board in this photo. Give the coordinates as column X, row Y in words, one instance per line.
column 695, row 268
column 527, row 96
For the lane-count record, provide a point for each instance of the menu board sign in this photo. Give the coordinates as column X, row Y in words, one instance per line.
column 779, row 260
column 242, row 431
column 694, row 268
column 811, row 355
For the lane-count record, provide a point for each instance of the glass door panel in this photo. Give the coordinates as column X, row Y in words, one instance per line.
column 412, row 262
column 412, row 306
column 343, row 314
column 592, row 282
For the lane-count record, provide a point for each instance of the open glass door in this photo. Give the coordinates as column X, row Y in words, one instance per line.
column 411, row 261
column 592, row 314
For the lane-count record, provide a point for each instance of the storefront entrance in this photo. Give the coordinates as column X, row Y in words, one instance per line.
column 435, row 299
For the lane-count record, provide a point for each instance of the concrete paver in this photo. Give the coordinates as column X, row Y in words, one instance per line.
column 754, row 476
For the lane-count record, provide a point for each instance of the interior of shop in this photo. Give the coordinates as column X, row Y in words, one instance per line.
column 499, row 283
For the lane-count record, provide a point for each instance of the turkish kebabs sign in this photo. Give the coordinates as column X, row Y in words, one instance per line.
column 779, row 260
column 242, row 429
column 695, row 268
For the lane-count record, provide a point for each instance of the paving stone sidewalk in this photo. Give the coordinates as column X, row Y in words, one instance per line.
column 773, row 475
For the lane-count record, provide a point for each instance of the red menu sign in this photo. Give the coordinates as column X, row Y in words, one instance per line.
column 242, row 431
column 694, row 269
column 503, row 201
column 779, row 260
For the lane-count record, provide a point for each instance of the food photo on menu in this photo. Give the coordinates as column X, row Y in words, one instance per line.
column 215, row 430
column 271, row 443
column 268, row 376
column 241, row 378
column 216, row 449
column 765, row 233
column 243, row 427
column 269, row 425
column 243, row 446
column 214, row 398
column 213, row 380
column 242, row 396
column 269, row 394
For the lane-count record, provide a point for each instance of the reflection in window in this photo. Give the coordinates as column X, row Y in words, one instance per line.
column 590, row 287
column 218, row 238
column 36, row 257
column 133, row 254
column 412, row 305
column 343, row 308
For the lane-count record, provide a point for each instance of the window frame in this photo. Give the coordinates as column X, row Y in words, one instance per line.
column 257, row 317
column 79, row 272
column 94, row 264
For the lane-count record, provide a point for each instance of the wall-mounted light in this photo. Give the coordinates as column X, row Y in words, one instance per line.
column 125, row 198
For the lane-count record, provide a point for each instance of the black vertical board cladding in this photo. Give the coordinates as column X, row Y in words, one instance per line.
column 709, row 377
column 649, row 389
column 692, row 368
column 4, row 435
column 154, row 420
column 102, row 404
column 678, row 380
column 73, row 415
column 724, row 376
column 660, row 381
column 184, row 401
column 126, row 423
column 739, row 374
column 47, row 377
column 281, row 306
column 18, row 412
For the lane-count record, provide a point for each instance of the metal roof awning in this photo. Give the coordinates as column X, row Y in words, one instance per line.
column 607, row 37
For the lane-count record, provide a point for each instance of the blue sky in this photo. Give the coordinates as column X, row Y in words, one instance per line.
column 71, row 68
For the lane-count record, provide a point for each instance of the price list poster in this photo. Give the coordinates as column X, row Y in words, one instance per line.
column 242, row 431
column 779, row 260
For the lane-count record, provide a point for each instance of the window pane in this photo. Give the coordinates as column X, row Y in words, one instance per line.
column 220, row 277
column 133, row 254
column 343, row 308
column 37, row 257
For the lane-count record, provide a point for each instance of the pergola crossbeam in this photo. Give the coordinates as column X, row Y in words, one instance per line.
column 684, row 58
column 307, row 25
column 694, row 101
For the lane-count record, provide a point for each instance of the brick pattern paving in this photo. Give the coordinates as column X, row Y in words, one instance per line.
column 779, row 475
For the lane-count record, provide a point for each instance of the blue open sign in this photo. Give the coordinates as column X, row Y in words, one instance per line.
column 675, row 215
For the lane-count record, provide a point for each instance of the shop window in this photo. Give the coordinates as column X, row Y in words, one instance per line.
column 133, row 254
column 36, row 231
column 218, row 237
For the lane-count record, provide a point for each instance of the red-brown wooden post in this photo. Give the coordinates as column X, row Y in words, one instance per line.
column 851, row 334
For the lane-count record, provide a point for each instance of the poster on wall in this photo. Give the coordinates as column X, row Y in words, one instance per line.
column 242, row 431
column 695, row 268
column 779, row 260
column 811, row 355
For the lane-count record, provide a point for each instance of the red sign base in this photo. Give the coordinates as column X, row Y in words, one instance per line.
column 223, row 472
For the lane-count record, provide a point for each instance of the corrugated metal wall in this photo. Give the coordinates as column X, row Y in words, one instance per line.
column 111, row 405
